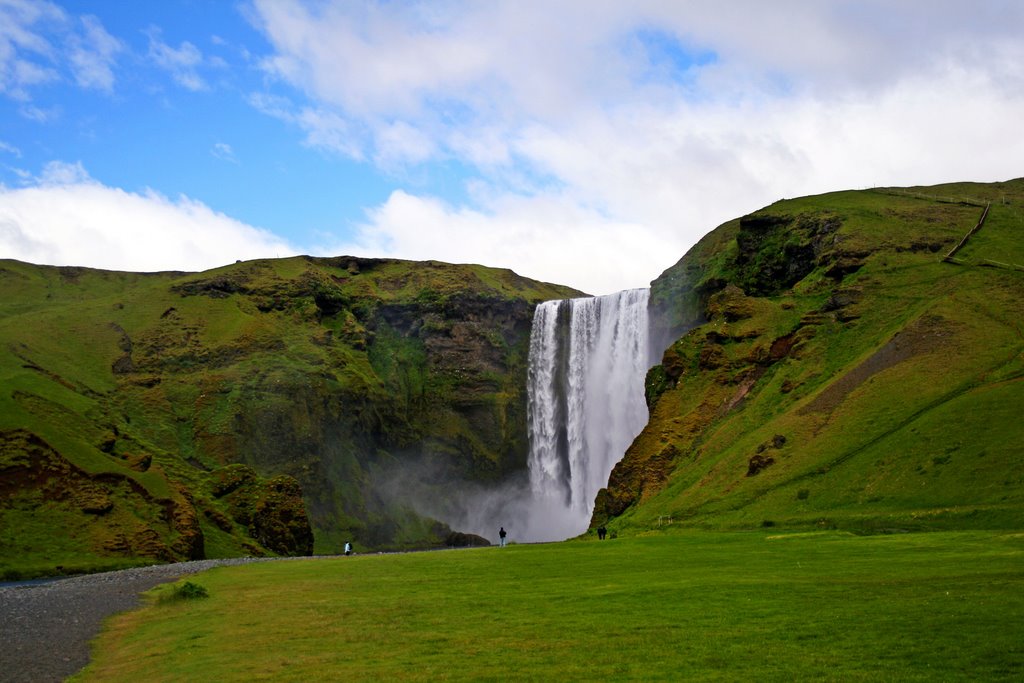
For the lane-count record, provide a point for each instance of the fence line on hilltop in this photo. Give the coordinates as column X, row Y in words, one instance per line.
column 967, row 201
column 976, row 228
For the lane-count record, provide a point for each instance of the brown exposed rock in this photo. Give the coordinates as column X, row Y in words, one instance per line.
column 674, row 362
column 117, row 545
column 814, row 318
column 610, row 503
column 107, row 442
column 125, row 518
column 716, row 337
column 921, row 245
column 139, row 542
column 758, row 355
column 147, row 381
column 217, row 287
column 71, row 274
column 746, row 381
column 139, row 463
column 228, row 479
column 712, row 356
column 185, row 522
column 844, row 264
column 841, row 303
column 279, row 520
column 842, row 298
column 758, row 463
column 457, row 539
column 730, row 304
column 273, row 511
column 762, row 459
column 92, row 499
column 219, row 519
column 781, row 347
column 123, row 365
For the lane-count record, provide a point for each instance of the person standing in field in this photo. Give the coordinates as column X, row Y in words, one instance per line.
column 348, row 548
column 501, row 536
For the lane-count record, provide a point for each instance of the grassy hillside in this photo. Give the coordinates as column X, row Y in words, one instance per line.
column 832, row 369
column 696, row 606
column 176, row 415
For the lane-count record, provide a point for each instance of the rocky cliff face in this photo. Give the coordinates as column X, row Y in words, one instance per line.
column 257, row 405
column 819, row 352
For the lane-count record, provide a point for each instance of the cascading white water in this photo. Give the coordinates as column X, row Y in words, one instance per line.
column 585, row 388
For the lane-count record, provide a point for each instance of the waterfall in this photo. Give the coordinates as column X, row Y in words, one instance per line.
column 585, row 390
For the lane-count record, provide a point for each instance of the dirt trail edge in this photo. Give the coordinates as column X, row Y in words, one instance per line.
column 46, row 628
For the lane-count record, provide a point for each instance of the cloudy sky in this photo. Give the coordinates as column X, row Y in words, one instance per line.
column 585, row 142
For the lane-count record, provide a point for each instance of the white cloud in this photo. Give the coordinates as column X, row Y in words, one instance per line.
column 67, row 218
column 93, row 55
column 40, row 114
column 324, row 129
column 598, row 130
column 224, row 152
column 546, row 238
column 455, row 65
column 38, row 42
column 10, row 149
column 26, row 56
column 401, row 144
column 684, row 169
column 182, row 62
column 57, row 173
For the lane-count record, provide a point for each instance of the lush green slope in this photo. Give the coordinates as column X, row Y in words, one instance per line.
column 141, row 415
column 698, row 606
column 835, row 370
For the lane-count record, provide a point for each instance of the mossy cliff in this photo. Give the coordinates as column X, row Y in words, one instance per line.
column 828, row 366
column 246, row 410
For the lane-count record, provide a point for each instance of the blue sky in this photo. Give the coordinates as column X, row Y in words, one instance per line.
column 587, row 143
column 188, row 130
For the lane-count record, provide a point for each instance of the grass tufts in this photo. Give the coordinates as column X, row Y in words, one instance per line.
column 185, row 591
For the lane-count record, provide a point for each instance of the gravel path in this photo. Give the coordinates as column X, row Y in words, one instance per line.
column 45, row 628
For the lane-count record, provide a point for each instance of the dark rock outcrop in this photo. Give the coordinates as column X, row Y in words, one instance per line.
column 109, row 513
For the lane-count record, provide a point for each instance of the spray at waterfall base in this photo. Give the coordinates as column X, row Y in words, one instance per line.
column 585, row 388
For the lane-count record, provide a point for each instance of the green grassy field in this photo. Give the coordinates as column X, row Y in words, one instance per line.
column 705, row 606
